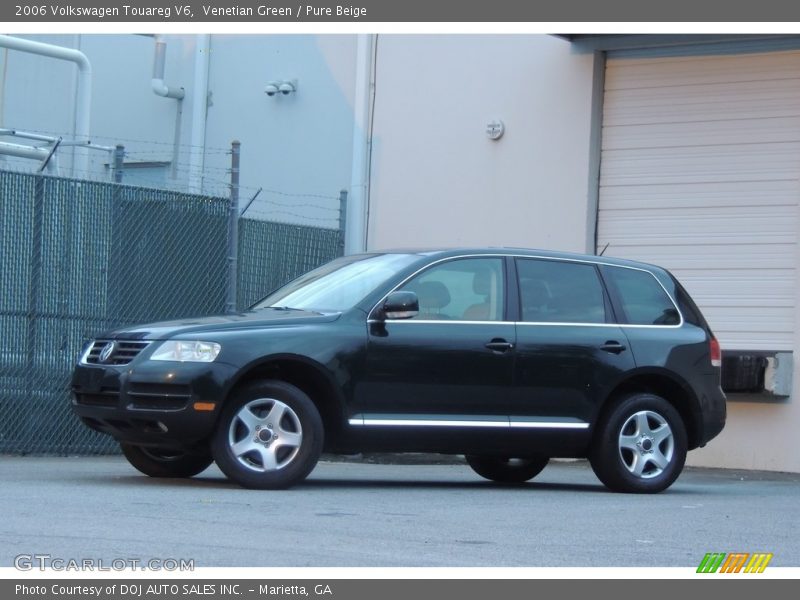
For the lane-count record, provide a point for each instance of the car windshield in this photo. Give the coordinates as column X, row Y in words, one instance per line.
column 338, row 285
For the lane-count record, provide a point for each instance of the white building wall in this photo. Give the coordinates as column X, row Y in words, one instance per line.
column 437, row 180
column 297, row 147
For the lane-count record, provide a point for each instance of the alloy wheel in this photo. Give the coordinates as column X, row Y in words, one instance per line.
column 646, row 444
column 265, row 435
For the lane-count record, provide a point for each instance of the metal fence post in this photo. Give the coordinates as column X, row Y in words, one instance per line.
column 342, row 220
column 32, row 373
column 233, row 230
column 119, row 158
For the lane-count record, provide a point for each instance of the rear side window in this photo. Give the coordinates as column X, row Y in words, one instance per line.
column 560, row 292
column 644, row 301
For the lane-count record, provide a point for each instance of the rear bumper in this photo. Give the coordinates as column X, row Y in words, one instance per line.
column 713, row 412
column 152, row 404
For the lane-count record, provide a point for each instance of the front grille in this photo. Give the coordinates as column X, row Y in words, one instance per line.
column 158, row 396
column 123, row 352
column 106, row 397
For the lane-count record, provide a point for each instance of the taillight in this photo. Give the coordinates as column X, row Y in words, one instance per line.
column 716, row 352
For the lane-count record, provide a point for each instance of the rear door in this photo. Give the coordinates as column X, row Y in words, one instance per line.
column 658, row 336
column 569, row 348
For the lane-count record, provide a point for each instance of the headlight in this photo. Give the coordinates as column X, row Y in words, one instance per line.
column 187, row 351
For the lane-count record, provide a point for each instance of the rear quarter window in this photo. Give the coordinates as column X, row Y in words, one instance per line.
column 643, row 299
column 689, row 310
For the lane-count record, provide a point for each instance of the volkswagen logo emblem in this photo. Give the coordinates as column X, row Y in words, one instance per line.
column 107, row 351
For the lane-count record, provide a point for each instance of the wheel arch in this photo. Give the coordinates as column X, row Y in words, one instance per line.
column 667, row 385
column 314, row 379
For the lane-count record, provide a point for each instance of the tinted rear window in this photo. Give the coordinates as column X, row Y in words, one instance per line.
column 644, row 301
column 560, row 292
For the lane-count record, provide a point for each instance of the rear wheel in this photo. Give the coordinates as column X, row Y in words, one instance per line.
column 160, row 462
column 269, row 436
column 640, row 445
column 507, row 470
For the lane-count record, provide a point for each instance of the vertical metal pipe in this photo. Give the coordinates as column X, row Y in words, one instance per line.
column 119, row 158
column 199, row 113
column 3, row 73
column 162, row 89
column 176, row 140
column 362, row 138
column 342, row 220
column 595, row 150
column 157, row 83
column 159, row 58
column 233, row 230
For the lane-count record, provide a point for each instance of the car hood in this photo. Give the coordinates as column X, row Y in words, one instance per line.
column 267, row 317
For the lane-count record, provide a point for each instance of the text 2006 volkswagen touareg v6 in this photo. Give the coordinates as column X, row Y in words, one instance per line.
column 509, row 357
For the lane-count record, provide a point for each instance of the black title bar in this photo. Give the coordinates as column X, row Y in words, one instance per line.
column 733, row 588
column 459, row 11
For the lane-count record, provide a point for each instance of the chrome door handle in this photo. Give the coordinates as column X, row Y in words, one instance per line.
column 613, row 347
column 499, row 345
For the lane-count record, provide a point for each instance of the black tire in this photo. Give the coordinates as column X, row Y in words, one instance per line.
column 507, row 470
column 258, row 453
column 639, row 445
column 159, row 462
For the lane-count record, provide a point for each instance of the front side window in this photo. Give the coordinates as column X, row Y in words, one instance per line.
column 554, row 291
column 644, row 300
column 468, row 289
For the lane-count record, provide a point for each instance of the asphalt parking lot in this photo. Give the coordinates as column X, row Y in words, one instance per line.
column 357, row 514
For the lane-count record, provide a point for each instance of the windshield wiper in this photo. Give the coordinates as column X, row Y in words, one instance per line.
column 286, row 309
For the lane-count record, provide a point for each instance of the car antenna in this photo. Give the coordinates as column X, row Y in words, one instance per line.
column 603, row 251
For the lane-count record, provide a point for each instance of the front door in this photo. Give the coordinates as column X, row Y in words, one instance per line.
column 452, row 364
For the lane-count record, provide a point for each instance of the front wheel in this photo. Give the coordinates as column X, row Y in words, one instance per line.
column 507, row 470
column 269, row 436
column 159, row 462
column 640, row 445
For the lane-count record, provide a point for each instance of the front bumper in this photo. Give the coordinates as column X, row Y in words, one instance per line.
column 152, row 403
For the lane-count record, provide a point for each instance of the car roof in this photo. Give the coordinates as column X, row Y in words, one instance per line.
column 513, row 251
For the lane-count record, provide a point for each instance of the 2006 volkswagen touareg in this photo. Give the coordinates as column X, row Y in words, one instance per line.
column 509, row 357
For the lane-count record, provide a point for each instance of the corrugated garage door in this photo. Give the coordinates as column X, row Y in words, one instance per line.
column 699, row 173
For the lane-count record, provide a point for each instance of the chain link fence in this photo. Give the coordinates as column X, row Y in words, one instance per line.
column 270, row 254
column 78, row 258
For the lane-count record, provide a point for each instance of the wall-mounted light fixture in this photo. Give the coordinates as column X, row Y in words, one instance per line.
column 281, row 88
column 495, row 129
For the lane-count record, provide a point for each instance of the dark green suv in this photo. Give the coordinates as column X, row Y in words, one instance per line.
column 507, row 356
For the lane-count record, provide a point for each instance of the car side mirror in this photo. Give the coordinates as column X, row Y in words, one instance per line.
column 401, row 305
